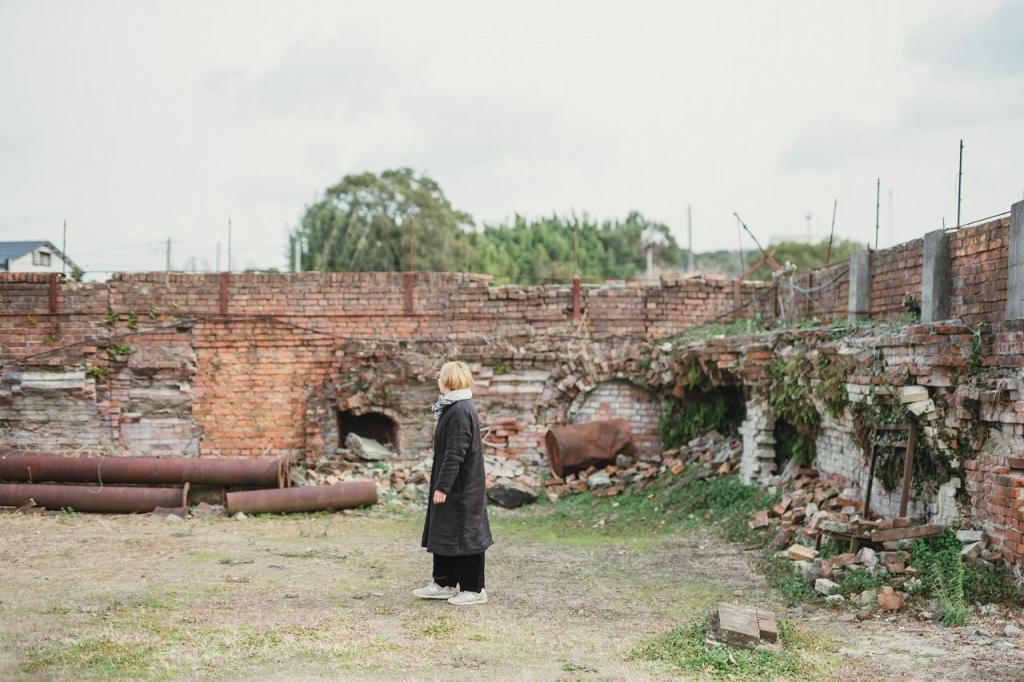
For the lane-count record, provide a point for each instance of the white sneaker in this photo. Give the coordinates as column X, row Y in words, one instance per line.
column 435, row 591
column 466, row 598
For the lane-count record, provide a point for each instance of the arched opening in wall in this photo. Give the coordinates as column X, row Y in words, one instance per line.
column 702, row 409
column 373, row 425
column 793, row 445
column 621, row 399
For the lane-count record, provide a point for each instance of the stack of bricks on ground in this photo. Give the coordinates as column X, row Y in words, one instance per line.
column 813, row 511
column 288, row 364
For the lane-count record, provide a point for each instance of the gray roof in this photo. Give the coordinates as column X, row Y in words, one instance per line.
column 11, row 251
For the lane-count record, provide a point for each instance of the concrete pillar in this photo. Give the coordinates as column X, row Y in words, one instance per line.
column 936, row 277
column 859, row 306
column 1015, row 264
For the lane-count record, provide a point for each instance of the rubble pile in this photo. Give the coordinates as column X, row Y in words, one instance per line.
column 511, row 483
column 710, row 454
column 813, row 511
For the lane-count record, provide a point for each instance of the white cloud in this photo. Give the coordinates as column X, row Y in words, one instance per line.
column 142, row 121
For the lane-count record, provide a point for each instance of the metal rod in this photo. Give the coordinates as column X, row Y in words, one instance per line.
column 831, row 233
column 229, row 244
column 878, row 206
column 689, row 239
column 64, row 252
column 959, row 182
column 167, row 264
column 908, row 469
column 739, row 238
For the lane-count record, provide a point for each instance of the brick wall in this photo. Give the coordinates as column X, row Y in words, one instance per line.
column 895, row 275
column 978, row 258
column 623, row 400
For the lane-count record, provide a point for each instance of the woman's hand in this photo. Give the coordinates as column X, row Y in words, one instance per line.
column 439, row 497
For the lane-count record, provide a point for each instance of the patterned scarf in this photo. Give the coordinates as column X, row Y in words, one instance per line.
column 452, row 397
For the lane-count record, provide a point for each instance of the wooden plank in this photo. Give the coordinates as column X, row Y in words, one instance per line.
column 907, row 533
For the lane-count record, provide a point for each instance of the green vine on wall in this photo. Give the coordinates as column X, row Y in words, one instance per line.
column 932, row 464
column 830, row 388
column 790, row 397
column 702, row 408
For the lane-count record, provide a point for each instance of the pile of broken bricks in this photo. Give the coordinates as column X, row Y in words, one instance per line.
column 710, row 454
column 814, row 510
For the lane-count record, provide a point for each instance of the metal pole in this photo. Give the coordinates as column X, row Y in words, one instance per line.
column 575, row 246
column 831, row 233
column 878, row 206
column 739, row 235
column 959, row 182
column 689, row 239
column 218, row 256
column 229, row 244
column 64, row 252
column 167, row 265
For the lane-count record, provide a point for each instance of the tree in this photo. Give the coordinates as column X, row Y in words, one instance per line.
column 540, row 250
column 368, row 222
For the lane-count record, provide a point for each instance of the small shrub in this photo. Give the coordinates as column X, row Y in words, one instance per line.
column 942, row 574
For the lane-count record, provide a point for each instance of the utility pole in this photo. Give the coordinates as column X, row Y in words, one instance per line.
column 892, row 230
column 739, row 235
column 878, row 206
column 831, row 233
column 689, row 239
column 64, row 252
column 959, row 182
column 229, row 244
column 167, row 257
column 575, row 247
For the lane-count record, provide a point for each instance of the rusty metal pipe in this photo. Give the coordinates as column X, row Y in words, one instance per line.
column 576, row 447
column 346, row 495
column 87, row 498
column 93, row 468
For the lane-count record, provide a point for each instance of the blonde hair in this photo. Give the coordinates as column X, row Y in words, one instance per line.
column 455, row 375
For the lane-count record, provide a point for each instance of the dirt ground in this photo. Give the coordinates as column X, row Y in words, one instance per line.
column 328, row 597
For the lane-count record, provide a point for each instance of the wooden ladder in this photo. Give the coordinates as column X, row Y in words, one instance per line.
column 908, row 462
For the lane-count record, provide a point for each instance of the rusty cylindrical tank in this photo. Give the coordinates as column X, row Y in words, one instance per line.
column 88, row 498
column 575, row 447
column 345, row 495
column 219, row 471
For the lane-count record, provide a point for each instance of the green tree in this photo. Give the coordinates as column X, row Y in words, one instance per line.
column 366, row 222
column 542, row 249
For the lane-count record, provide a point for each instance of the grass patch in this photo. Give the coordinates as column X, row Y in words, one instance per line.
column 860, row 580
column 781, row 574
column 97, row 657
column 983, row 585
column 723, row 502
column 684, row 649
column 942, row 573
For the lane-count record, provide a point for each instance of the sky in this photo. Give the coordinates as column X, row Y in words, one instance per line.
column 139, row 122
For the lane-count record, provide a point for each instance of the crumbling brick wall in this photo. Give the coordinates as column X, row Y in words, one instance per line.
column 978, row 258
column 623, row 400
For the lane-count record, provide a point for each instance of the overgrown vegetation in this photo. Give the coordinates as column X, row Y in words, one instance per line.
column 797, row 420
column 702, row 408
column 941, row 571
column 722, row 502
column 932, row 465
column 830, row 388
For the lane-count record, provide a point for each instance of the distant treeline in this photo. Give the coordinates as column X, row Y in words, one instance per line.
column 398, row 220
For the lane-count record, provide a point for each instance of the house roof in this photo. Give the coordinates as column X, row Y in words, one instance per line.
column 10, row 251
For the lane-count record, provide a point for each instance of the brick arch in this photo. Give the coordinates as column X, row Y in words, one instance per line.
column 597, row 385
column 623, row 399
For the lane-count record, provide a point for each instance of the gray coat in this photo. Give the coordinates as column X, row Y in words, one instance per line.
column 459, row 526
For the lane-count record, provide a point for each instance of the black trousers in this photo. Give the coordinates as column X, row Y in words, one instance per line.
column 464, row 571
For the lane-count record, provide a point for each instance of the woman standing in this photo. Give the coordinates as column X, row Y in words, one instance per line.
column 456, row 530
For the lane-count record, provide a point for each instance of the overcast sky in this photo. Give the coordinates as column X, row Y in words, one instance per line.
column 142, row 121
